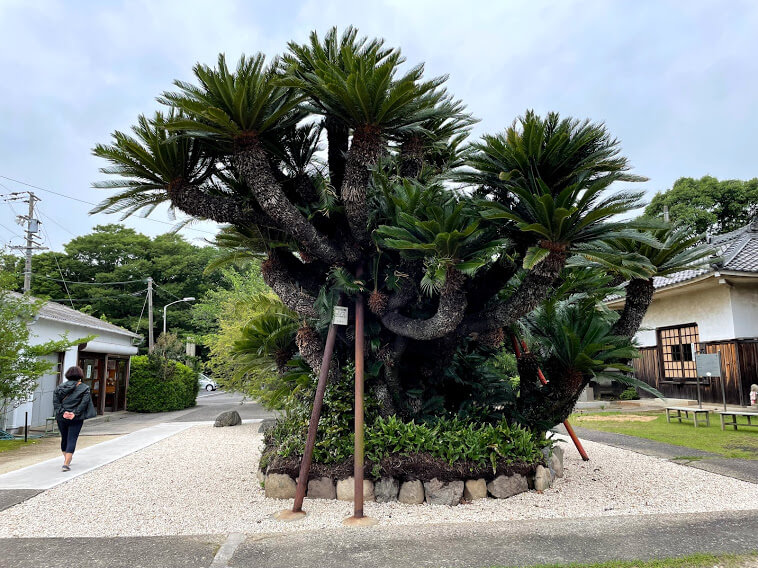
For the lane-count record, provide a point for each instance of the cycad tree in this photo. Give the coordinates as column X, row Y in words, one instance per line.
column 350, row 173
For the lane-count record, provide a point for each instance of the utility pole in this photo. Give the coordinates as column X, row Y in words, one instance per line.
column 150, row 344
column 32, row 228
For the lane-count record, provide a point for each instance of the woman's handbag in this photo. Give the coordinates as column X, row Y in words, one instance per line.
column 91, row 412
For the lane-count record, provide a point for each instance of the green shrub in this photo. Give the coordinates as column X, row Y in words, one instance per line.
column 159, row 385
column 629, row 394
column 451, row 440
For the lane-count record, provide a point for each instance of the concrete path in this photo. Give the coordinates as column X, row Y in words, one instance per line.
column 47, row 474
column 474, row 545
column 746, row 470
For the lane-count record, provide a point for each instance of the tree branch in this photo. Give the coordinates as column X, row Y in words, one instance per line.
column 450, row 312
column 639, row 295
column 534, row 288
column 252, row 164
column 192, row 200
column 279, row 279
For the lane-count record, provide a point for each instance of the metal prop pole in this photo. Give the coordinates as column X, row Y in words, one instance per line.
column 358, row 518
column 305, row 465
column 543, row 380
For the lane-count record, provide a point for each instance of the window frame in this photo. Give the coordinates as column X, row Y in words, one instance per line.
column 678, row 369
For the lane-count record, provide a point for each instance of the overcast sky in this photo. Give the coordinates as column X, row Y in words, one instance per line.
column 675, row 81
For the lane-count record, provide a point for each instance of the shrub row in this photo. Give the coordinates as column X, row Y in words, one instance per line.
column 158, row 385
column 450, row 440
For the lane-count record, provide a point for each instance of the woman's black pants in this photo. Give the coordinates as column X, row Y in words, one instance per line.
column 69, row 430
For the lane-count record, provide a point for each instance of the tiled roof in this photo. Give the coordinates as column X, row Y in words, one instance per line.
column 59, row 312
column 738, row 251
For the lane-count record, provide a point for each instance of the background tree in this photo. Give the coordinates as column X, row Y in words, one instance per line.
column 447, row 273
column 708, row 206
column 114, row 253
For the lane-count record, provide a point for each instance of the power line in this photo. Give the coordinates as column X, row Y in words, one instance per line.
column 91, row 203
column 55, row 258
column 167, row 292
column 89, row 283
column 11, row 231
column 55, row 222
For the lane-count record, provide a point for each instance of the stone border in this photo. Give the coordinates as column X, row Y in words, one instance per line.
column 415, row 492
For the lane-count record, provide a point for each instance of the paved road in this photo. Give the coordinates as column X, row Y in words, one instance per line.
column 210, row 405
column 473, row 545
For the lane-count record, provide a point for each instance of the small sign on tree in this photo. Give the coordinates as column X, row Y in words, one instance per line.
column 339, row 316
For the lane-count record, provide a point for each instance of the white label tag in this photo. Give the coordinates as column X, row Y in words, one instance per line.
column 339, row 317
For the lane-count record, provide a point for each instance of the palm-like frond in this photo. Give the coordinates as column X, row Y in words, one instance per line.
column 576, row 340
column 147, row 163
column 229, row 105
column 241, row 245
column 673, row 249
column 357, row 81
column 552, row 178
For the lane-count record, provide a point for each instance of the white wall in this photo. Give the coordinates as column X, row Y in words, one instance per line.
column 745, row 310
column 41, row 404
column 709, row 306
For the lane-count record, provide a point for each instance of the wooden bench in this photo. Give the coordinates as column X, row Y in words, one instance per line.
column 687, row 410
column 734, row 414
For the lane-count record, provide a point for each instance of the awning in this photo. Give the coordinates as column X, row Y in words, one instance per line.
column 109, row 348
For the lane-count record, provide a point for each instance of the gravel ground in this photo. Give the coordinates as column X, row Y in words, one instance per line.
column 202, row 481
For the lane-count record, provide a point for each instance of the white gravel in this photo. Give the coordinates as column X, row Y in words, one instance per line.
column 202, row 481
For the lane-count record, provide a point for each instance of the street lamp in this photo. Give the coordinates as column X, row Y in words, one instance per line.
column 190, row 299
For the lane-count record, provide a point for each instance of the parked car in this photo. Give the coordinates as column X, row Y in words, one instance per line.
column 207, row 383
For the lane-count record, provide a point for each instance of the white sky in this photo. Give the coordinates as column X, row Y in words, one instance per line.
column 675, row 81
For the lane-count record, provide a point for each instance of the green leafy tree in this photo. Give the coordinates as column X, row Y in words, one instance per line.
column 114, row 253
column 446, row 273
column 708, row 206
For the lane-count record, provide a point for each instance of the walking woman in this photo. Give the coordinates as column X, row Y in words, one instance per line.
column 73, row 404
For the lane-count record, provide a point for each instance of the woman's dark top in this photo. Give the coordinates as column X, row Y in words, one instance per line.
column 77, row 399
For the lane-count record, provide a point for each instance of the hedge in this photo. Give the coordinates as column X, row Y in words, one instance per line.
column 159, row 385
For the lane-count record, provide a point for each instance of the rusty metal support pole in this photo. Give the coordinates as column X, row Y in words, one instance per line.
column 543, row 380
column 318, row 401
column 358, row 457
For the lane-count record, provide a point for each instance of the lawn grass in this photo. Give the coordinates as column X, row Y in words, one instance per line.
column 8, row 445
column 728, row 443
column 691, row 561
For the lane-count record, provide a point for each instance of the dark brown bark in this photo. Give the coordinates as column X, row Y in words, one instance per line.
column 534, row 288
column 486, row 284
column 192, row 200
column 253, row 165
column 639, row 295
column 363, row 155
column 286, row 287
column 450, row 312
column 337, row 137
column 412, row 157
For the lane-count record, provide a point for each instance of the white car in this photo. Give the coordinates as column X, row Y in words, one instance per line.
column 207, row 383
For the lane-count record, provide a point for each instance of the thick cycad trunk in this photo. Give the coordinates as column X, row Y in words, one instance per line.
column 252, row 163
column 639, row 295
column 192, row 200
column 364, row 153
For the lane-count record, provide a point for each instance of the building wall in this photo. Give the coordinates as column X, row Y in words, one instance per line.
column 40, row 406
column 710, row 306
column 745, row 310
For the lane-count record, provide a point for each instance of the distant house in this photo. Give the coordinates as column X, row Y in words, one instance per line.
column 714, row 309
column 105, row 361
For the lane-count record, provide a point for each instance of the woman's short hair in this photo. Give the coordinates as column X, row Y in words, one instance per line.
column 74, row 374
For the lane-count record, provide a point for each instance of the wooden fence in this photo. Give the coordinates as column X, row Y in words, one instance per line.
column 739, row 361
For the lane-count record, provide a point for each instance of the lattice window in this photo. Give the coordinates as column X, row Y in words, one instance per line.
column 678, row 346
column 58, row 369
